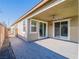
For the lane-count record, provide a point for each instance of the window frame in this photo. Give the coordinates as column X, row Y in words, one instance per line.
column 32, row 25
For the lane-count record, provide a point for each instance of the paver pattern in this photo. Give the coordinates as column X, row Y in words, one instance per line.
column 31, row 50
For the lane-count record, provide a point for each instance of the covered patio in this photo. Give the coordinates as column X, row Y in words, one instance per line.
column 66, row 11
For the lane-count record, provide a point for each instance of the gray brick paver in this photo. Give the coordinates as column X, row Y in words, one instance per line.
column 26, row 50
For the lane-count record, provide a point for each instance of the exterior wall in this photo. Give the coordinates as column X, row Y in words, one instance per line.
column 74, row 29
column 20, row 29
column 12, row 29
column 78, row 30
column 50, row 29
column 35, row 35
column 21, row 33
column 31, row 36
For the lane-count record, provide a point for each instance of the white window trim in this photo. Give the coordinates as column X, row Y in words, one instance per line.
column 68, row 27
column 33, row 26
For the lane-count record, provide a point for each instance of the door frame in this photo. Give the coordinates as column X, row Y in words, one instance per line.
column 68, row 38
column 46, row 29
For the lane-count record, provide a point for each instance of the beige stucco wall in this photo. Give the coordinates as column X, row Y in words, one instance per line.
column 74, row 29
column 50, row 29
column 78, row 30
column 31, row 36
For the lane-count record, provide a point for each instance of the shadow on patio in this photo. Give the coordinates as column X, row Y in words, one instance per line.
column 6, row 51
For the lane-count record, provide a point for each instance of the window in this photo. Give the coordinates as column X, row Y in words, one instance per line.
column 24, row 29
column 33, row 26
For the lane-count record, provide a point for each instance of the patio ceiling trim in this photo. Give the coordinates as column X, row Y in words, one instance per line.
column 46, row 8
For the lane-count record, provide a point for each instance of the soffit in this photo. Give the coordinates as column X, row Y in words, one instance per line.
column 68, row 8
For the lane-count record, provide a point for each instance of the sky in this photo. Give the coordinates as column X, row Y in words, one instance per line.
column 11, row 10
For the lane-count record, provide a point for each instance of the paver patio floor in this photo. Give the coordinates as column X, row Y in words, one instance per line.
column 42, row 49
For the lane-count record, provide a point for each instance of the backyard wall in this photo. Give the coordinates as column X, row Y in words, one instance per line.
column 3, row 34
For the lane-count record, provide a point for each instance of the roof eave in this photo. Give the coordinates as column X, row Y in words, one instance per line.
column 32, row 10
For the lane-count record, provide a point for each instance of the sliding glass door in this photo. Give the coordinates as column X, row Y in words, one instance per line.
column 42, row 29
column 61, row 29
column 57, row 29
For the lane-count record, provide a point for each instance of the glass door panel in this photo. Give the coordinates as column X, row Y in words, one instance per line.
column 64, row 28
column 57, row 29
column 42, row 29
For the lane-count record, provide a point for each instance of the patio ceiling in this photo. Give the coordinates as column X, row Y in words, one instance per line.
column 65, row 9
